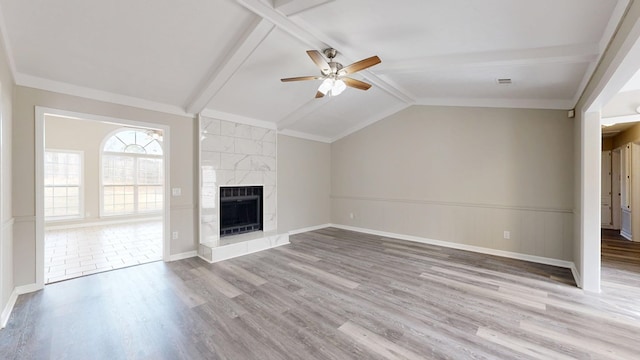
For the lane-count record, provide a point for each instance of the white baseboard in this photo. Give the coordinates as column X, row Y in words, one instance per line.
column 6, row 312
column 29, row 288
column 477, row 249
column 18, row 290
column 184, row 255
column 576, row 275
column 307, row 229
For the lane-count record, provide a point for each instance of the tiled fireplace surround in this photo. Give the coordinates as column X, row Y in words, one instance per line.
column 233, row 154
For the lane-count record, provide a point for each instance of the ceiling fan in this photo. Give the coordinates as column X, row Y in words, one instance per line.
column 334, row 74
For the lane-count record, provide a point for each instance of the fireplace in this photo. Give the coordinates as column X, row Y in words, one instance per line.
column 240, row 209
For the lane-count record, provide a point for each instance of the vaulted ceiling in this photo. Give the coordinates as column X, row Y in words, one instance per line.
column 225, row 58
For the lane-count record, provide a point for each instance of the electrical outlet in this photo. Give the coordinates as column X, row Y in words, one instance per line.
column 351, row 216
column 174, row 235
column 176, row 191
column 507, row 234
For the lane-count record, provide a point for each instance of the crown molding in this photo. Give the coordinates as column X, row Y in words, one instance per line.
column 500, row 103
column 306, row 136
column 99, row 95
column 221, row 115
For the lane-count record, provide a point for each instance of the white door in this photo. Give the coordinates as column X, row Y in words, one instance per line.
column 605, row 202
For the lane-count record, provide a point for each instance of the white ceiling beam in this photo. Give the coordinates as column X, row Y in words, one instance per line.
column 318, row 41
column 249, row 42
column 281, row 21
column 301, row 112
column 293, row 7
column 578, row 53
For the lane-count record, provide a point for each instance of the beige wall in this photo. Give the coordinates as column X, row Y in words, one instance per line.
column 607, row 143
column 303, row 183
column 85, row 136
column 6, row 216
column 461, row 175
column 182, row 159
column 632, row 134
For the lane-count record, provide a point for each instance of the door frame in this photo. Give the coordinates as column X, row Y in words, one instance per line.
column 615, row 188
column 40, row 113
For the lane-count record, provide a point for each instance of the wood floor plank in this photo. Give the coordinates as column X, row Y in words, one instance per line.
column 325, row 275
column 376, row 343
column 335, row 294
column 521, row 346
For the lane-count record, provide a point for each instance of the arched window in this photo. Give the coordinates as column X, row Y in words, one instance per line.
column 132, row 172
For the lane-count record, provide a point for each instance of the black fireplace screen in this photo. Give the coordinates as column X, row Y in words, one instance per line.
column 240, row 209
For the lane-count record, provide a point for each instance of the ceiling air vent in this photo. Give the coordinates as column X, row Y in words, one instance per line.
column 504, row 81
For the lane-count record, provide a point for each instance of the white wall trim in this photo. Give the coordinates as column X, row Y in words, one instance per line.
column 456, row 204
column 29, row 288
column 19, row 290
column 306, row 136
column 8, row 222
column 23, row 219
column 98, row 95
column 619, row 119
column 6, row 312
column 126, row 220
column 562, row 104
column 40, row 112
column 477, row 249
column 184, row 255
column 576, row 275
column 310, row 228
column 221, row 115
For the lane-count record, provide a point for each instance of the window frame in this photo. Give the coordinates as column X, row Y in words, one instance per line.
column 81, row 187
column 135, row 156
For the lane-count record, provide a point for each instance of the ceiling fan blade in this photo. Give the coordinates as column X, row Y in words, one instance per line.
column 319, row 60
column 360, row 65
column 301, row 78
column 356, row 83
column 319, row 95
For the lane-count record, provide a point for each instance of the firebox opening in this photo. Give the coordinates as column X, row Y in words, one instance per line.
column 240, row 209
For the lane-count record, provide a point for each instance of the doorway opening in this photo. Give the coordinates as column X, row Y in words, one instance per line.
column 102, row 200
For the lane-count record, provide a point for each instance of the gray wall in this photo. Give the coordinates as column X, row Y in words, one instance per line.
column 303, row 183
column 6, row 216
column 461, row 175
column 182, row 159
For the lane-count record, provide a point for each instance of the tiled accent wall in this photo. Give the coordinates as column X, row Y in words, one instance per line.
column 234, row 154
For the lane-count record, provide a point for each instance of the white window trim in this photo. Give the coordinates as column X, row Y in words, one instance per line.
column 81, row 196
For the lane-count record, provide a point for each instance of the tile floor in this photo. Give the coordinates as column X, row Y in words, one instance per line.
column 71, row 253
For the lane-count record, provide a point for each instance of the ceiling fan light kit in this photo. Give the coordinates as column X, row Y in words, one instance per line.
column 334, row 75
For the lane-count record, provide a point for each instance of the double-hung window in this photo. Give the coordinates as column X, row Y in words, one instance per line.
column 62, row 184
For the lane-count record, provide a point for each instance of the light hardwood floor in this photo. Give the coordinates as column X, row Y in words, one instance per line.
column 332, row 294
